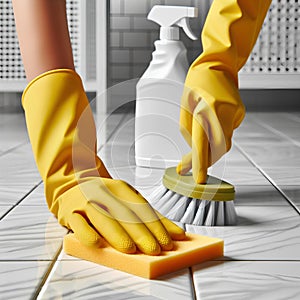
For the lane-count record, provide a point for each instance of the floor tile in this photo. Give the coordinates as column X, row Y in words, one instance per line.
column 262, row 233
column 4, row 209
column 11, row 193
column 18, row 175
column 117, row 155
column 251, row 132
column 264, row 155
column 30, row 233
column 280, row 124
column 284, row 175
column 293, row 193
column 76, row 279
column 139, row 177
column 36, row 197
column 106, row 125
column 268, row 229
column 233, row 158
column 20, row 280
column 19, row 166
column 261, row 195
column 8, row 118
column 247, row 280
column 124, row 131
column 240, row 175
column 12, row 131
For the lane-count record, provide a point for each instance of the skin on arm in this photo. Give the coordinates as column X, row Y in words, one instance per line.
column 43, row 35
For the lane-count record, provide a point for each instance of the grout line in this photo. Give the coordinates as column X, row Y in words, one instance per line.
column 21, row 200
column 277, row 132
column 193, row 288
column 191, row 277
column 13, row 148
column 48, row 275
column 268, row 178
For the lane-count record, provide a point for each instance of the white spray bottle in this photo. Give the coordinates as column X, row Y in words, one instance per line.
column 158, row 141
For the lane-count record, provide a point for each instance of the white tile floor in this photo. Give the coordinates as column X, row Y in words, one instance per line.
column 262, row 253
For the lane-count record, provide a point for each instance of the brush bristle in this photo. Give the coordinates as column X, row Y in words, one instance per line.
column 193, row 211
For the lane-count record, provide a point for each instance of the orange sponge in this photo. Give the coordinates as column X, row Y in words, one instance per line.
column 193, row 250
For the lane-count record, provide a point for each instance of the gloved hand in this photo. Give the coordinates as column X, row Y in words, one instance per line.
column 78, row 188
column 119, row 213
column 211, row 106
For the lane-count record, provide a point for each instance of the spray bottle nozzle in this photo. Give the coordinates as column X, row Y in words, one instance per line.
column 168, row 17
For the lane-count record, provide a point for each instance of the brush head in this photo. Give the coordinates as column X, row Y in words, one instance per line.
column 214, row 189
column 182, row 200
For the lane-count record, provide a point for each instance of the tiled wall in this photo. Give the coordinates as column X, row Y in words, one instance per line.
column 132, row 36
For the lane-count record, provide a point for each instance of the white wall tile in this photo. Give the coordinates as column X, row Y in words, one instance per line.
column 115, row 6
column 115, row 39
column 135, row 7
column 120, row 23
column 120, row 72
column 142, row 23
column 135, row 39
column 120, row 56
column 142, row 56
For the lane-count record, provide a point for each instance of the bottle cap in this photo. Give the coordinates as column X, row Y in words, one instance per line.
column 172, row 17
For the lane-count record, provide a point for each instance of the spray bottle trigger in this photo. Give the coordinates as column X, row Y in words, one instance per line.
column 187, row 28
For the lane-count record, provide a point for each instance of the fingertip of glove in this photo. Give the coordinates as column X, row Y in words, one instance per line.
column 149, row 246
column 175, row 232
column 125, row 245
column 91, row 240
column 179, row 168
column 165, row 241
column 178, row 234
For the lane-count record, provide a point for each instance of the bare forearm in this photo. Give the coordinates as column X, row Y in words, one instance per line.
column 43, row 35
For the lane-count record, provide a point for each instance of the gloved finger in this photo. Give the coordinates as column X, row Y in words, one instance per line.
column 185, row 164
column 125, row 205
column 110, row 229
column 141, row 211
column 185, row 124
column 123, row 222
column 176, row 232
column 147, row 215
column 189, row 101
column 84, row 232
column 200, row 149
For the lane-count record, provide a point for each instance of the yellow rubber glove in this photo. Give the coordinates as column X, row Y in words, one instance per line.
column 78, row 188
column 211, row 107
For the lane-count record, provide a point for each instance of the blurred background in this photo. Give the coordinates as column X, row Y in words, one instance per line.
column 113, row 41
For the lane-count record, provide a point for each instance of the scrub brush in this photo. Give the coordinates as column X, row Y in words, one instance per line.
column 182, row 200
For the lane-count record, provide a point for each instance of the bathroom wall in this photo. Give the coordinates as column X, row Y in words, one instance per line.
column 131, row 38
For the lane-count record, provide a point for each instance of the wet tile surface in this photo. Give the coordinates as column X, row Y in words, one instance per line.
column 75, row 279
column 261, row 253
column 247, row 280
column 30, row 233
column 21, row 280
column 262, row 233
